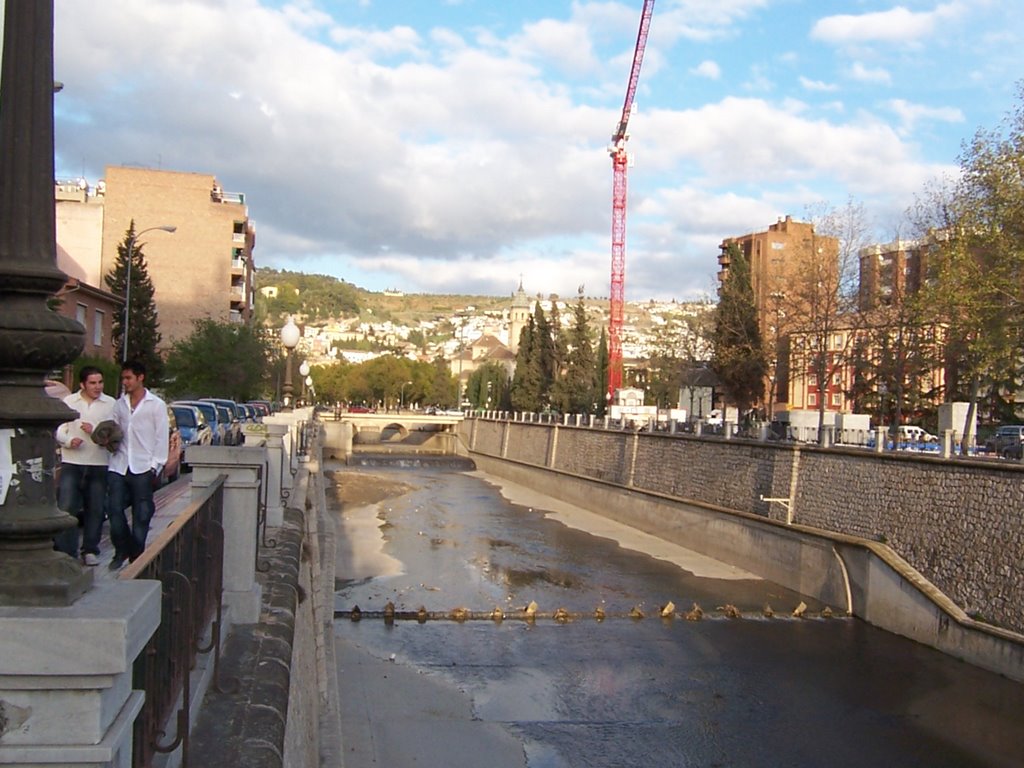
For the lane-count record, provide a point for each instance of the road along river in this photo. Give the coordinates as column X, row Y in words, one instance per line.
column 598, row 677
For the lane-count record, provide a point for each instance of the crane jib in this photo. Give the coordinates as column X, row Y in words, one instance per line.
column 634, row 74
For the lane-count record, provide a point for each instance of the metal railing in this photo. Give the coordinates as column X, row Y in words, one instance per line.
column 188, row 559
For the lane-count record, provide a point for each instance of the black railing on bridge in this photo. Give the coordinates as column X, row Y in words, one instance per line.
column 188, row 559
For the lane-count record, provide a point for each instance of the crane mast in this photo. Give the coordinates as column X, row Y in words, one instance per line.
column 620, row 160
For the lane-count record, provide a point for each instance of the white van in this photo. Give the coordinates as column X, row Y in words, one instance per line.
column 907, row 433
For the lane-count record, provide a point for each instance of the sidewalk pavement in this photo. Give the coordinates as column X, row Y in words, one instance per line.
column 170, row 501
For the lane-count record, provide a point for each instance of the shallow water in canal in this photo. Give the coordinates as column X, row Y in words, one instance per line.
column 751, row 691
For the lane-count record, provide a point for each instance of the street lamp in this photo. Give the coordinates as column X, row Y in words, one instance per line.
column 132, row 238
column 401, row 394
column 306, row 379
column 290, row 339
column 309, row 388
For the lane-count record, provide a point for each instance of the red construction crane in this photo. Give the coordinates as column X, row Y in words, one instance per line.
column 617, row 150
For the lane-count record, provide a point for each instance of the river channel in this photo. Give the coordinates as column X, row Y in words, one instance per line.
column 623, row 691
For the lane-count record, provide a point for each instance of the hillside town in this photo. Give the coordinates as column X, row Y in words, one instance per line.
column 468, row 335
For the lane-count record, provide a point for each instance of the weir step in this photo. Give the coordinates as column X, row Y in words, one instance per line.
column 563, row 616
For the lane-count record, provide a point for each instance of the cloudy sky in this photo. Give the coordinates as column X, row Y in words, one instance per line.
column 450, row 146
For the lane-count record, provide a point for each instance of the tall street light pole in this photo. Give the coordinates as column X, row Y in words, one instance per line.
column 401, row 394
column 290, row 340
column 128, row 282
column 304, row 375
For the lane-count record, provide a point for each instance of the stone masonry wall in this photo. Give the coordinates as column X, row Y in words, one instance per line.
column 600, row 455
column 960, row 523
column 725, row 474
column 528, row 442
column 487, row 437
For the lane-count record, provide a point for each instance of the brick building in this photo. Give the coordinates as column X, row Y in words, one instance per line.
column 891, row 272
column 206, row 268
column 778, row 256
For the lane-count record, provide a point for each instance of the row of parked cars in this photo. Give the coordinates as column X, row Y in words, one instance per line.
column 213, row 421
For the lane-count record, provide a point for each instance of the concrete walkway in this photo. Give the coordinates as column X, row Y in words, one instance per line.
column 170, row 500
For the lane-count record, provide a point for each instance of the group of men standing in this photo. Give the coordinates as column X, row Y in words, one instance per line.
column 111, row 457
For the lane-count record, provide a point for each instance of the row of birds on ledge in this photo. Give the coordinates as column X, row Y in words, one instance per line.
column 531, row 612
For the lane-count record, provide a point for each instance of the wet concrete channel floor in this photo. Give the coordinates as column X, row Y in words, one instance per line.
column 751, row 691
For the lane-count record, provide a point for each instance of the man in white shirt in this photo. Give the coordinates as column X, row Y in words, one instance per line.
column 83, row 467
column 142, row 417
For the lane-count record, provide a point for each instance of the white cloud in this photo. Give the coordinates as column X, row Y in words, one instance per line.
column 896, row 25
column 565, row 44
column 708, row 69
column 456, row 159
column 862, row 73
column 910, row 114
column 817, row 85
column 759, row 81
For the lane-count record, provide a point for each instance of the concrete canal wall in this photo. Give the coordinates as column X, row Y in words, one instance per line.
column 912, row 544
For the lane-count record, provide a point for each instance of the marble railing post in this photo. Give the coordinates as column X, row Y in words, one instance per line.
column 245, row 468
column 276, row 469
column 881, row 438
column 66, row 693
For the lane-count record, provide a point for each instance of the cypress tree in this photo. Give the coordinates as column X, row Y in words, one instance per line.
column 739, row 358
column 143, row 322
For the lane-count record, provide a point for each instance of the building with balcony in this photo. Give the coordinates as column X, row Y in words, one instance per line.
column 776, row 257
column 206, row 268
column 779, row 257
column 891, row 272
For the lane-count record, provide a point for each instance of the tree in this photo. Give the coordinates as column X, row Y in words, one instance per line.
column 546, row 349
column 895, row 355
column 680, row 344
column 443, row 389
column 601, row 383
column 576, row 390
column 488, row 387
column 823, row 299
column 224, row 359
column 738, row 356
column 143, row 322
column 528, row 379
column 975, row 230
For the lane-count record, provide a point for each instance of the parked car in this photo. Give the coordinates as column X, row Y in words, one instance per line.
column 265, row 406
column 218, row 428
column 175, row 452
column 1008, row 437
column 192, row 425
column 1015, row 451
column 234, row 416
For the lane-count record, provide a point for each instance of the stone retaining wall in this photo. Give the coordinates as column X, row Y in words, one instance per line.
column 957, row 522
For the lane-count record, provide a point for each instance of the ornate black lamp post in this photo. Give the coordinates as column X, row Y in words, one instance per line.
column 34, row 340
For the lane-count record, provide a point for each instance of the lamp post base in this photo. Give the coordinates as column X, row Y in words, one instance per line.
column 39, row 576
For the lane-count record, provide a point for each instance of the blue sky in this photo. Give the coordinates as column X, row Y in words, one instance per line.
column 450, row 146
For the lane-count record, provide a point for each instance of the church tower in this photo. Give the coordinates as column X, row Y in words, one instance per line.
column 518, row 316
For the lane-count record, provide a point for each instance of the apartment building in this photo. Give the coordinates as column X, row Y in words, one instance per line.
column 890, row 272
column 205, row 269
column 778, row 257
